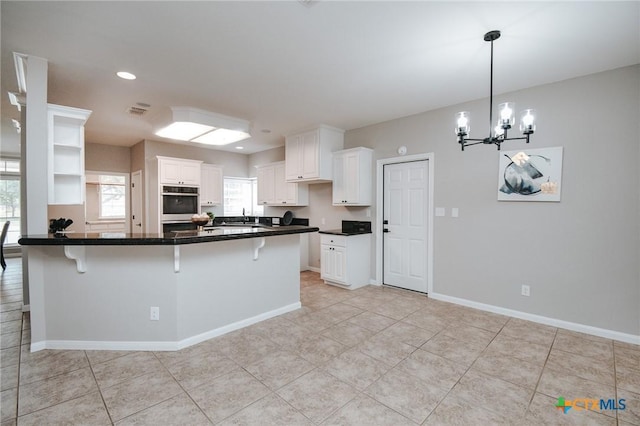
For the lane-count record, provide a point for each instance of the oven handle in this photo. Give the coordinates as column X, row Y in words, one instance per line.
column 181, row 194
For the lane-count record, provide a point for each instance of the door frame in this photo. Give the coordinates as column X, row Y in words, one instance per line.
column 429, row 156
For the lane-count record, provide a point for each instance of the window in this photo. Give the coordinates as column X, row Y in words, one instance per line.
column 241, row 193
column 10, row 198
column 112, row 197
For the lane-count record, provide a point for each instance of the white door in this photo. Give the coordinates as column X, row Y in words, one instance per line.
column 405, row 222
column 137, row 220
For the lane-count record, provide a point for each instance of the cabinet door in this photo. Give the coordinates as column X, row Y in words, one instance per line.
column 338, row 180
column 351, row 177
column 327, row 262
column 266, row 189
column 340, row 265
column 292, row 158
column 310, row 155
column 169, row 172
column 190, row 173
column 280, row 185
column 211, row 186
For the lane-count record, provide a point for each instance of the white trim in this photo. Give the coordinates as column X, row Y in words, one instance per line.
column 314, row 269
column 26, row 308
column 127, row 193
column 594, row 331
column 429, row 156
column 160, row 346
column 20, row 61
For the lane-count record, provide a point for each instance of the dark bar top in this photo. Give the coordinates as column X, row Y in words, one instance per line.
column 218, row 233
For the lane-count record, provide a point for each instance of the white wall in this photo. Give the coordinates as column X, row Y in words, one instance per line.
column 580, row 256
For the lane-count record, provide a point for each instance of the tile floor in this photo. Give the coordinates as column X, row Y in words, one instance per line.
column 374, row 356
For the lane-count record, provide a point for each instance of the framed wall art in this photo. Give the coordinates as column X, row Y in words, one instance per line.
column 530, row 175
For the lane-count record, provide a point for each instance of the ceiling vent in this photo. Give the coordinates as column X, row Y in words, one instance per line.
column 136, row 110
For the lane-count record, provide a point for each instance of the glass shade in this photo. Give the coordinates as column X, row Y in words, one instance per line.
column 506, row 111
column 498, row 130
column 528, row 121
column 462, row 123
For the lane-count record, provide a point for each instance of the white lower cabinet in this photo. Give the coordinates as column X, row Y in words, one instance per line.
column 345, row 260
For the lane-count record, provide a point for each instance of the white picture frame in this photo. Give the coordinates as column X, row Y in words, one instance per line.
column 530, row 175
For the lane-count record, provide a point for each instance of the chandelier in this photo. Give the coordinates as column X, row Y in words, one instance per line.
column 506, row 118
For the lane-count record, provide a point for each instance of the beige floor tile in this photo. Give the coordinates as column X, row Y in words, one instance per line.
column 97, row 357
column 246, row 349
column 628, row 379
column 9, row 377
column 201, row 369
column 279, row 368
column 317, row 349
column 592, row 347
column 86, row 410
column 10, row 356
column 487, row 321
column 371, row 321
column 530, row 331
column 52, row 391
column 134, row 395
column 428, row 320
column 217, row 345
column 228, row 394
column 624, row 345
column 462, row 352
column 631, row 413
column 627, row 357
column 364, row 410
column 340, row 312
column 518, row 348
column 555, row 383
column 542, row 411
column 317, row 395
column 177, row 411
column 509, row 369
column 396, row 310
column 8, row 404
column 9, row 340
column 12, row 315
column 585, row 367
column 270, row 410
column 126, row 367
column 406, row 394
column 432, row 369
column 386, row 349
column 347, row 333
column 10, row 327
column 356, row 369
column 407, row 333
column 469, row 333
column 490, row 393
column 454, row 411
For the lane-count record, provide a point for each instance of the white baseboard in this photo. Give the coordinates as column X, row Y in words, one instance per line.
column 26, row 308
column 587, row 329
column 314, row 269
column 159, row 346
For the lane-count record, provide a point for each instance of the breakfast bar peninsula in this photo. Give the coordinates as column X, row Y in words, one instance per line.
column 167, row 291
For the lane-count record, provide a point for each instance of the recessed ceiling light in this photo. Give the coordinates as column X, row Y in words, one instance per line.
column 239, row 147
column 126, row 75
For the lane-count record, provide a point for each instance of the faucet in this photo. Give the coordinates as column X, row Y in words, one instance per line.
column 244, row 216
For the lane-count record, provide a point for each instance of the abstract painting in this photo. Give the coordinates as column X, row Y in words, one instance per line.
column 530, row 175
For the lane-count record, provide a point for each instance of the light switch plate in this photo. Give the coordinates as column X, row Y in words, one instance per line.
column 440, row 211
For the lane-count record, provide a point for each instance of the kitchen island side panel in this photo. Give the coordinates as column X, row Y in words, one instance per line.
column 111, row 300
column 233, row 287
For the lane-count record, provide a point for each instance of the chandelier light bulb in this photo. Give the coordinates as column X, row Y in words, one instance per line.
column 528, row 121
column 462, row 123
column 506, row 114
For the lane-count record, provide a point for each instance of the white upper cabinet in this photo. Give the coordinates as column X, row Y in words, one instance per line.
column 211, row 185
column 66, row 154
column 308, row 154
column 352, row 177
column 177, row 171
column 274, row 190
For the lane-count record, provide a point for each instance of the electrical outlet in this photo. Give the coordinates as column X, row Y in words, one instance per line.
column 154, row 313
column 526, row 291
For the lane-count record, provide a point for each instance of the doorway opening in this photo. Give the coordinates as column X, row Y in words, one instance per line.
column 404, row 215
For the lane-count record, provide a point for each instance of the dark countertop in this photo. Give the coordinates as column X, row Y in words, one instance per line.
column 221, row 233
column 341, row 232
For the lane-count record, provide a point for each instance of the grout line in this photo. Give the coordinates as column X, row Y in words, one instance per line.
column 104, row 403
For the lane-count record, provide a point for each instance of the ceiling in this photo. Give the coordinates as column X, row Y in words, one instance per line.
column 287, row 65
